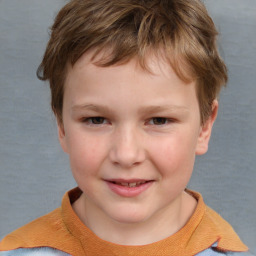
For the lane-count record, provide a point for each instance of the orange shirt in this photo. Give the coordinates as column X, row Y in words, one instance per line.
column 63, row 230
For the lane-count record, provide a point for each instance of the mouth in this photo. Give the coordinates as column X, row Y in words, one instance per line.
column 129, row 188
column 132, row 184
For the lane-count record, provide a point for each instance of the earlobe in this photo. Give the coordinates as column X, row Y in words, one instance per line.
column 206, row 130
column 62, row 136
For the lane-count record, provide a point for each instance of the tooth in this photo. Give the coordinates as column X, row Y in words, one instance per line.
column 131, row 185
column 125, row 184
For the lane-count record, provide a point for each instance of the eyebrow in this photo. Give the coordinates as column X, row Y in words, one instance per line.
column 93, row 107
column 161, row 108
column 151, row 109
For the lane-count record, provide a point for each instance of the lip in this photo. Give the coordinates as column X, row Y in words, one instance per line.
column 125, row 191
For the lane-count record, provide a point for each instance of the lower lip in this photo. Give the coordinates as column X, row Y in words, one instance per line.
column 129, row 191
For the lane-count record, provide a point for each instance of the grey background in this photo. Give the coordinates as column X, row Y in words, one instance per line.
column 34, row 173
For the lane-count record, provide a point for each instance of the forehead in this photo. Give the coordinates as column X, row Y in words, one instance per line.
column 90, row 84
column 153, row 63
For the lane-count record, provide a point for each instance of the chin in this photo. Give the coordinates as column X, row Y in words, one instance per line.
column 129, row 217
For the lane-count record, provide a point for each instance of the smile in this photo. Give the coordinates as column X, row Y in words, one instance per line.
column 130, row 184
column 129, row 188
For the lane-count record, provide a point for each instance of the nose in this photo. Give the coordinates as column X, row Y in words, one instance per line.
column 127, row 148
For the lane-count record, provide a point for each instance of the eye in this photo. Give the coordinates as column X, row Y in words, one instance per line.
column 96, row 120
column 159, row 121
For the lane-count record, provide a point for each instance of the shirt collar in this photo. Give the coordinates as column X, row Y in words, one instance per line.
column 204, row 229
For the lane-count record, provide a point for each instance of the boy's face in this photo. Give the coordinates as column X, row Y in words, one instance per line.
column 132, row 137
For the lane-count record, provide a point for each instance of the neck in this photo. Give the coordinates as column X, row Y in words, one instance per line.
column 163, row 224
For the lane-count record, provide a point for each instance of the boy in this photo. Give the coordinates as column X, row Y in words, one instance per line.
column 134, row 87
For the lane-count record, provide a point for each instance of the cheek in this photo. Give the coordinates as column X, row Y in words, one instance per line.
column 86, row 154
column 174, row 154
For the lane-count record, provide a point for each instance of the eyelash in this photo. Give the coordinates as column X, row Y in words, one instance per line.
column 100, row 120
column 89, row 120
column 166, row 120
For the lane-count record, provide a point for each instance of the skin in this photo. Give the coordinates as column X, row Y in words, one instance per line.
column 124, row 123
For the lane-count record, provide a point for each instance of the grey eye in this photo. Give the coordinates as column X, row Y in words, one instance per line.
column 97, row 120
column 159, row 120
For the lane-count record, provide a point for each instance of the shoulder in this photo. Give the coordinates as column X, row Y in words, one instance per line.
column 214, row 233
column 213, row 252
column 44, row 251
column 228, row 240
column 36, row 233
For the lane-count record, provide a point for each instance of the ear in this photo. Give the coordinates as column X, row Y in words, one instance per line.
column 206, row 130
column 62, row 136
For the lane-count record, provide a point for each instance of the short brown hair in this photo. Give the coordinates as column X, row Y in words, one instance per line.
column 181, row 29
